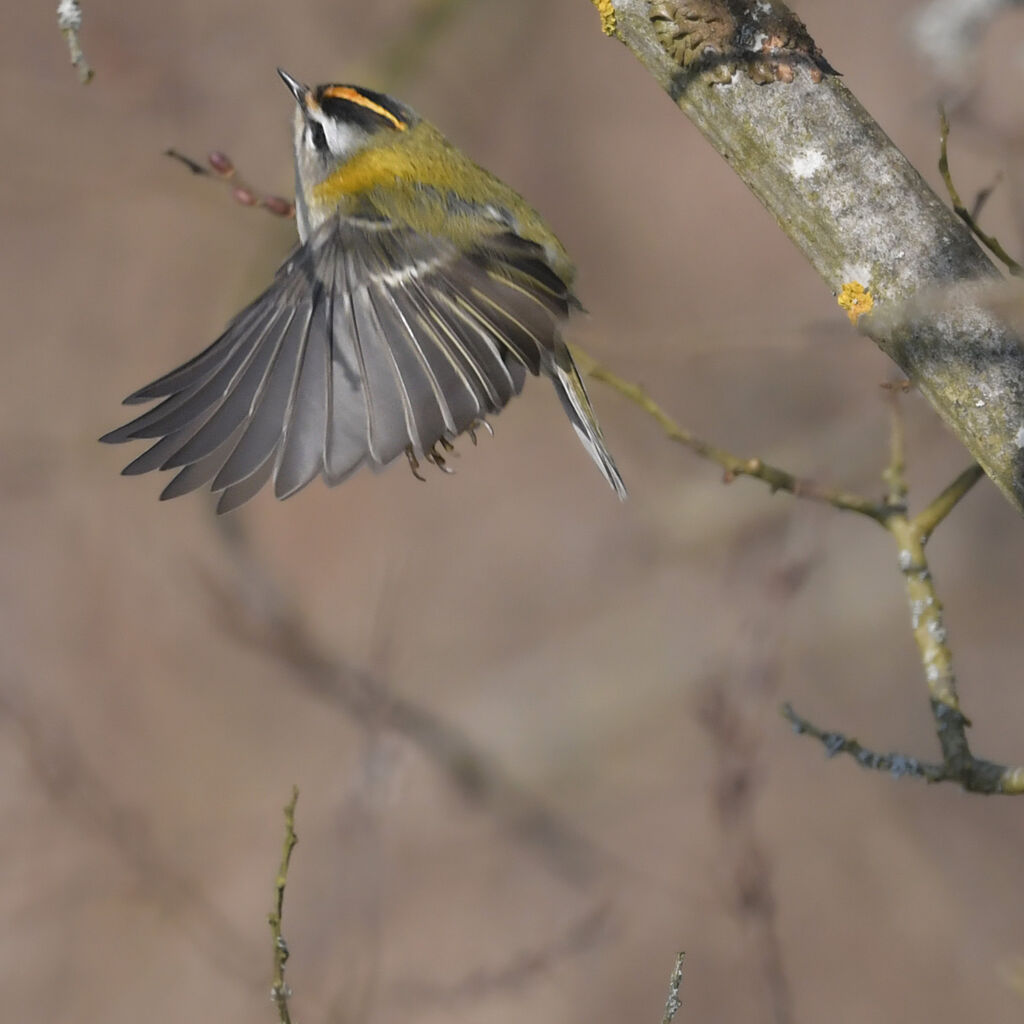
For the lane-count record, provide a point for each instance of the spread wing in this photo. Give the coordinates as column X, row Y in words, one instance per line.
column 372, row 341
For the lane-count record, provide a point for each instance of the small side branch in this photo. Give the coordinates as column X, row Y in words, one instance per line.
column 835, row 742
column 989, row 241
column 927, row 520
column 69, row 21
column 911, row 534
column 733, row 465
column 280, row 993
column 222, row 168
column 976, row 776
column 675, row 982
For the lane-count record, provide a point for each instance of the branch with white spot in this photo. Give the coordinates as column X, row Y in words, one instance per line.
column 69, row 21
column 753, row 81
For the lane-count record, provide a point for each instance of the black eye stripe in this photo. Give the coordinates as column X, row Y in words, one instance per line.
column 362, row 107
column 317, row 136
column 352, row 113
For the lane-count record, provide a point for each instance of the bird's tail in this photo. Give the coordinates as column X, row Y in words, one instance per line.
column 576, row 402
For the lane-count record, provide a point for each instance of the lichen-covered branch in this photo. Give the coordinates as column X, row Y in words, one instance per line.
column 834, row 742
column 69, row 21
column 911, row 534
column 675, row 983
column 975, row 775
column 751, row 78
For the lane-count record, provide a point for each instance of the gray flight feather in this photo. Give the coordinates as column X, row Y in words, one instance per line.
column 372, row 341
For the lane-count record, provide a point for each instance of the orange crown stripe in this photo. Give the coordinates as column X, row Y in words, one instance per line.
column 345, row 92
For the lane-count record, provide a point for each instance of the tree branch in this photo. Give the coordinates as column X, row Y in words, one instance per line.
column 970, row 218
column 758, row 88
column 280, row 993
column 976, row 776
column 675, row 983
column 69, row 21
column 734, row 465
column 911, row 535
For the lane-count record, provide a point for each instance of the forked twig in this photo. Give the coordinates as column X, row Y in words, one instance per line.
column 911, row 534
column 970, row 219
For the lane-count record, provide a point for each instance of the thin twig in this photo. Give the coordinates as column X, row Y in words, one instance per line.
column 911, row 535
column 777, row 479
column 675, row 982
column 280, row 993
column 958, row 764
column 69, row 21
column 982, row 777
column 940, row 507
column 989, row 241
column 983, row 196
column 221, row 168
column 834, row 742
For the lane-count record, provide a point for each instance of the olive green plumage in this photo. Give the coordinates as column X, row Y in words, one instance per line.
column 423, row 291
column 417, row 177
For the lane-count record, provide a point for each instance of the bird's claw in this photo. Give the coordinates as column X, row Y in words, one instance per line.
column 414, row 464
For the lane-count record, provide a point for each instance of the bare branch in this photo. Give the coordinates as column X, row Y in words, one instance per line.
column 926, row 521
column 976, row 775
column 836, row 742
column 926, row 622
column 911, row 535
column 221, row 168
column 280, row 993
column 69, row 21
column 734, row 465
column 675, row 982
column 970, row 219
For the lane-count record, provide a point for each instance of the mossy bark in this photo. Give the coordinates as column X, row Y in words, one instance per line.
column 751, row 78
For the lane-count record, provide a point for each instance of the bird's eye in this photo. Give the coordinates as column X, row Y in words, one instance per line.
column 317, row 136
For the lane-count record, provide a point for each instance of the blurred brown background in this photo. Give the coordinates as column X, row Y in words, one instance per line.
column 536, row 732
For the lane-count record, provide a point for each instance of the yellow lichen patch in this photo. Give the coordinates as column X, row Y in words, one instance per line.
column 856, row 300
column 607, row 12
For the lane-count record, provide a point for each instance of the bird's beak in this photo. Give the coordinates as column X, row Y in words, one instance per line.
column 298, row 90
